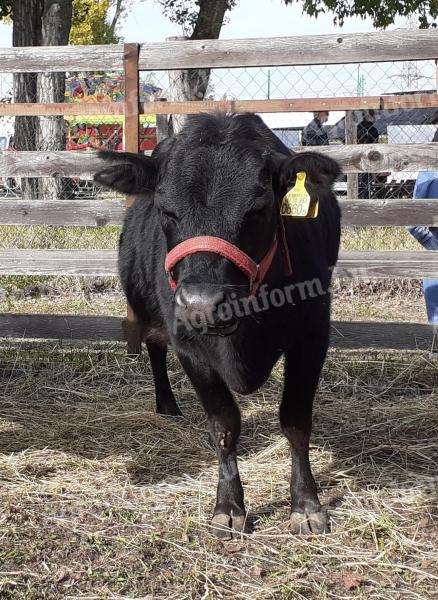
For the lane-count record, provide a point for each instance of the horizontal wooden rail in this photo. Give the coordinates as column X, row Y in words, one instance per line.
column 380, row 46
column 69, row 213
column 372, row 158
column 381, row 158
column 368, row 265
column 61, row 59
column 394, row 213
column 345, row 334
column 98, row 213
column 408, row 101
column 293, row 104
column 356, row 335
column 61, row 109
column 387, row 264
column 63, row 163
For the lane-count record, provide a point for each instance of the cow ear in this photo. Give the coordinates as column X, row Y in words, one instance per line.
column 128, row 173
column 321, row 171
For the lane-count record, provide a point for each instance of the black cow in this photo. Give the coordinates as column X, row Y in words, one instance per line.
column 208, row 204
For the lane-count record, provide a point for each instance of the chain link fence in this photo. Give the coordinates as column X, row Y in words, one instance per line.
column 81, row 132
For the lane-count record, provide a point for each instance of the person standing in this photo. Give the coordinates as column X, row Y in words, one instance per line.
column 314, row 133
column 367, row 133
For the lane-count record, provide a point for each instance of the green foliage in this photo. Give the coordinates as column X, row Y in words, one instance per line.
column 91, row 24
column 5, row 9
column 381, row 12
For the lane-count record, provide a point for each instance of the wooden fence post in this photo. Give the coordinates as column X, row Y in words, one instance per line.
column 162, row 124
column 131, row 143
column 351, row 138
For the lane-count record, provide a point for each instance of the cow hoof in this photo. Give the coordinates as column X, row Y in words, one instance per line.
column 309, row 523
column 168, row 407
column 225, row 527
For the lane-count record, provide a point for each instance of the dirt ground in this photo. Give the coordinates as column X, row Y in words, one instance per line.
column 100, row 498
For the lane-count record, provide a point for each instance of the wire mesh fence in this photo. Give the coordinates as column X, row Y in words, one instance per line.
column 84, row 132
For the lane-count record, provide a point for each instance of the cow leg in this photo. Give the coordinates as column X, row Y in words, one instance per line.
column 165, row 400
column 133, row 330
column 223, row 417
column 303, row 366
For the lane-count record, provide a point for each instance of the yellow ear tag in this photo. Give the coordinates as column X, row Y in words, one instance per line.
column 297, row 202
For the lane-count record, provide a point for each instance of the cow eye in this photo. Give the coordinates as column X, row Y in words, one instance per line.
column 168, row 215
column 258, row 211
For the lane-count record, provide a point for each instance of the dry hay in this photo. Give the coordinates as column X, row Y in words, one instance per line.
column 101, row 498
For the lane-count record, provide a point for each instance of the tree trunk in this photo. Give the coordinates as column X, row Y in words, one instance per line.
column 26, row 32
column 55, row 31
column 191, row 84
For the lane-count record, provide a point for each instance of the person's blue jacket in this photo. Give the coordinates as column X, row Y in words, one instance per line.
column 427, row 187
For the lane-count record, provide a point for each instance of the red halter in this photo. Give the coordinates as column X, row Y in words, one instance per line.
column 253, row 271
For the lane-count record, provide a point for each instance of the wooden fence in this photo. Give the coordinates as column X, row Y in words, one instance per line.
column 173, row 55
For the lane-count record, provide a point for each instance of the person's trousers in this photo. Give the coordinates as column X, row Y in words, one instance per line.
column 427, row 187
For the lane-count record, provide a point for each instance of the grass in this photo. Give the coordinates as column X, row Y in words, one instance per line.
column 102, row 498
column 354, row 238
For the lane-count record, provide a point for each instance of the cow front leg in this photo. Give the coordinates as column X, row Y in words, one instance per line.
column 164, row 398
column 223, row 417
column 302, row 370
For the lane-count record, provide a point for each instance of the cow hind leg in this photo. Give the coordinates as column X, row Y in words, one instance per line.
column 229, row 516
column 303, row 366
column 165, row 400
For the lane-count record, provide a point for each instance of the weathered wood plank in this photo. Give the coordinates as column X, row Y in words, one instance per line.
column 358, row 335
column 58, row 59
column 61, row 327
column 387, row 264
column 69, row 213
column 345, row 335
column 381, row 158
column 298, row 50
column 389, row 212
column 99, row 213
column 258, row 106
column 80, row 163
column 58, row 262
column 375, row 158
column 368, row 265
column 292, row 104
column 61, row 108
column 372, row 158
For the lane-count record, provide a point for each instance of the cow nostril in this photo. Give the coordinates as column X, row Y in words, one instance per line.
column 185, row 297
column 217, row 299
column 180, row 299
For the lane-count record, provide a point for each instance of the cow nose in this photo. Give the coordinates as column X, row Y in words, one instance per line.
column 202, row 300
column 199, row 308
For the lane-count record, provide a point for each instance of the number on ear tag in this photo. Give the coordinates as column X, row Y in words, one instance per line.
column 297, row 201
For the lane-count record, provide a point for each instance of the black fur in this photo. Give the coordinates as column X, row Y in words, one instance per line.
column 225, row 175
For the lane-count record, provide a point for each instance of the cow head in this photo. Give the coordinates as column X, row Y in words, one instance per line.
column 222, row 179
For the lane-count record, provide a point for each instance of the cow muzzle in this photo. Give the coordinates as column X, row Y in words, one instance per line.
column 204, row 309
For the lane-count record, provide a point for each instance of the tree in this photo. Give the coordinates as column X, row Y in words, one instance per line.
column 200, row 19
column 26, row 32
column 56, row 19
column 46, row 23
column 91, row 23
column 39, row 23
